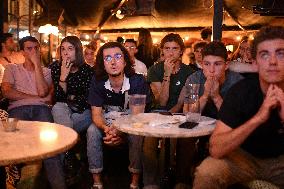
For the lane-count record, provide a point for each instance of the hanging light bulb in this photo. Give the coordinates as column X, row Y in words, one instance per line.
column 119, row 14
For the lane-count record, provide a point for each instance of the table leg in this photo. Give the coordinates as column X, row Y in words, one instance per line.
column 2, row 177
column 166, row 180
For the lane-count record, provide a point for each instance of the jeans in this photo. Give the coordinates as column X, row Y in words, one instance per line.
column 238, row 167
column 42, row 113
column 63, row 115
column 80, row 123
column 32, row 113
column 95, row 150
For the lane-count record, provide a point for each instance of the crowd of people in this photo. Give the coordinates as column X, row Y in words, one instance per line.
column 245, row 94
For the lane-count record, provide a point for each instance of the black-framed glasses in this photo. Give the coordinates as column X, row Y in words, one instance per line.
column 116, row 57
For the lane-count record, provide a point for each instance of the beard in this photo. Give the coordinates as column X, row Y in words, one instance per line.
column 116, row 74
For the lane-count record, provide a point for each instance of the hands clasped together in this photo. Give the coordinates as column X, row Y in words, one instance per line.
column 212, row 88
column 112, row 137
column 274, row 98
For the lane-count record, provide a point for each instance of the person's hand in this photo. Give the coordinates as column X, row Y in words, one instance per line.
column 215, row 88
column 169, row 66
column 280, row 98
column 65, row 68
column 35, row 58
column 270, row 102
column 112, row 136
column 207, row 87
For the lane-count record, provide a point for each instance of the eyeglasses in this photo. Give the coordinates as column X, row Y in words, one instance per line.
column 117, row 57
column 130, row 48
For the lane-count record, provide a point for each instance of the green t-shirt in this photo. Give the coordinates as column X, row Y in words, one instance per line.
column 156, row 74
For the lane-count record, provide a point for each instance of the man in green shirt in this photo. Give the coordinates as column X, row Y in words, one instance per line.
column 166, row 79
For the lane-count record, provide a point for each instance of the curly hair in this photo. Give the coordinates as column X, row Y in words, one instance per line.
column 266, row 33
column 75, row 41
column 101, row 73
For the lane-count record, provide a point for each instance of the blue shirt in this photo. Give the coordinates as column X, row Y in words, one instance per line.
column 99, row 96
column 198, row 77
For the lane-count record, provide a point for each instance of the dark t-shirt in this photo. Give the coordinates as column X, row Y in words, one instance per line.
column 77, row 85
column 156, row 74
column 241, row 104
column 99, row 96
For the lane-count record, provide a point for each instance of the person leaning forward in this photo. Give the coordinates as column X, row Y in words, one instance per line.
column 248, row 142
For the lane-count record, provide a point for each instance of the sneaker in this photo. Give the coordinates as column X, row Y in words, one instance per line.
column 97, row 186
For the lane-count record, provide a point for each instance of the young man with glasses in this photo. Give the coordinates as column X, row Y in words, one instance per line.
column 248, row 141
column 139, row 67
column 114, row 80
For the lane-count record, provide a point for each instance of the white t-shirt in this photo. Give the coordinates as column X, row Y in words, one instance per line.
column 140, row 67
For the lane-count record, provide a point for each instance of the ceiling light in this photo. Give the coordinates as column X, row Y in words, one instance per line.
column 48, row 29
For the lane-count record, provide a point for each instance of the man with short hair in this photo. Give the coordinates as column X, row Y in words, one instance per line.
column 90, row 54
column 168, row 77
column 248, row 141
column 131, row 46
column 28, row 87
column 8, row 53
column 114, row 80
column 215, row 80
column 197, row 50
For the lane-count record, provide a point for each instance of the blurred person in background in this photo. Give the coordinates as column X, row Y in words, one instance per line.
column 241, row 60
column 9, row 53
column 206, row 34
column 131, row 46
column 90, row 54
column 197, row 50
column 147, row 52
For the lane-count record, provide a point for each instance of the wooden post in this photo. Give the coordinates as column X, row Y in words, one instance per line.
column 217, row 20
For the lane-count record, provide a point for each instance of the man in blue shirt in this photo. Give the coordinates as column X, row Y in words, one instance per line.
column 114, row 80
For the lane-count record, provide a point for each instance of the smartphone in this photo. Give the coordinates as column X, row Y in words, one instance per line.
column 188, row 125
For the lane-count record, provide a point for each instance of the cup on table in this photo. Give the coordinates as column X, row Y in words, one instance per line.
column 192, row 102
column 10, row 124
column 137, row 103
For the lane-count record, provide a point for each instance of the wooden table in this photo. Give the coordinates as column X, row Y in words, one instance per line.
column 34, row 140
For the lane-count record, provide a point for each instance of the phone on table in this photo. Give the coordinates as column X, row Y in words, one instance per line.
column 188, row 125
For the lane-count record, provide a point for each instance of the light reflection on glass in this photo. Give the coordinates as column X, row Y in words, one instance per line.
column 48, row 135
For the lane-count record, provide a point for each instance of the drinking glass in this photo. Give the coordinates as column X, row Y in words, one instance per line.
column 137, row 103
column 192, row 102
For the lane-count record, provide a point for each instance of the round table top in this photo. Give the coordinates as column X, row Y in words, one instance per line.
column 157, row 125
column 34, row 140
